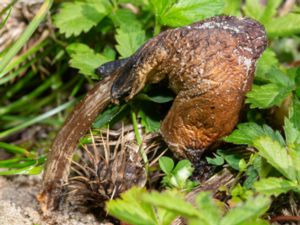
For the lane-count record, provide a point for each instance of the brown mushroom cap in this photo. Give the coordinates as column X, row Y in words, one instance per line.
column 210, row 66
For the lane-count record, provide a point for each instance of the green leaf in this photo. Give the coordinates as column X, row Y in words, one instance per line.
column 252, row 176
column 108, row 115
column 2, row 23
column 240, row 193
column 249, row 211
column 276, row 76
column 76, row 17
column 30, row 170
column 185, row 12
column 150, row 123
column 233, row 160
column 166, row 164
column 15, row 149
column 182, row 164
column 135, row 2
column 131, row 209
column 159, row 98
column 217, row 161
column 276, row 155
column 159, row 7
column 172, row 201
column 256, row 222
column 284, row 26
column 292, row 134
column 254, row 9
column 270, row 11
column 294, row 113
column 208, row 210
column 267, row 95
column 129, row 39
column 247, row 133
column 123, row 17
column 295, row 155
column 85, row 59
column 261, row 166
column 275, row 186
column 179, row 177
column 232, row 7
column 265, row 63
column 297, row 82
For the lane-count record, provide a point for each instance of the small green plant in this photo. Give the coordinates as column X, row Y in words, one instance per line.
column 282, row 154
column 139, row 207
column 178, row 176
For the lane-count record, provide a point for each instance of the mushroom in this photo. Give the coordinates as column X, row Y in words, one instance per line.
column 209, row 65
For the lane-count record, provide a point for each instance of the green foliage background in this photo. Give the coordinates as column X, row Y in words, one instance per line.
column 88, row 33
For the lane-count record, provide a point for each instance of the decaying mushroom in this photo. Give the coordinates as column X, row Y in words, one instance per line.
column 209, row 65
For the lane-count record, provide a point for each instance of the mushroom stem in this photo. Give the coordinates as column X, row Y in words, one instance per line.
column 60, row 155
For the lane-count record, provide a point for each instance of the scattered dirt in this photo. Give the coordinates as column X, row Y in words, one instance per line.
column 19, row 206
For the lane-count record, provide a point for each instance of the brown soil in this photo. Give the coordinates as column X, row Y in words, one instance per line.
column 19, row 206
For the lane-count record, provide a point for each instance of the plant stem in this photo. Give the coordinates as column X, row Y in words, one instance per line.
column 26, row 34
column 156, row 27
column 135, row 128
column 138, row 137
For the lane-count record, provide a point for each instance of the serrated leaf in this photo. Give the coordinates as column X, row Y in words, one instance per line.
column 85, row 59
column 247, row 212
column 129, row 40
column 131, row 209
column 171, row 200
column 265, row 63
column 159, row 7
column 276, row 155
column 267, row 95
column 217, row 161
column 246, row 133
column 166, row 164
column 276, row 76
column 185, row 12
column 274, row 186
column 76, row 17
column 284, row 25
